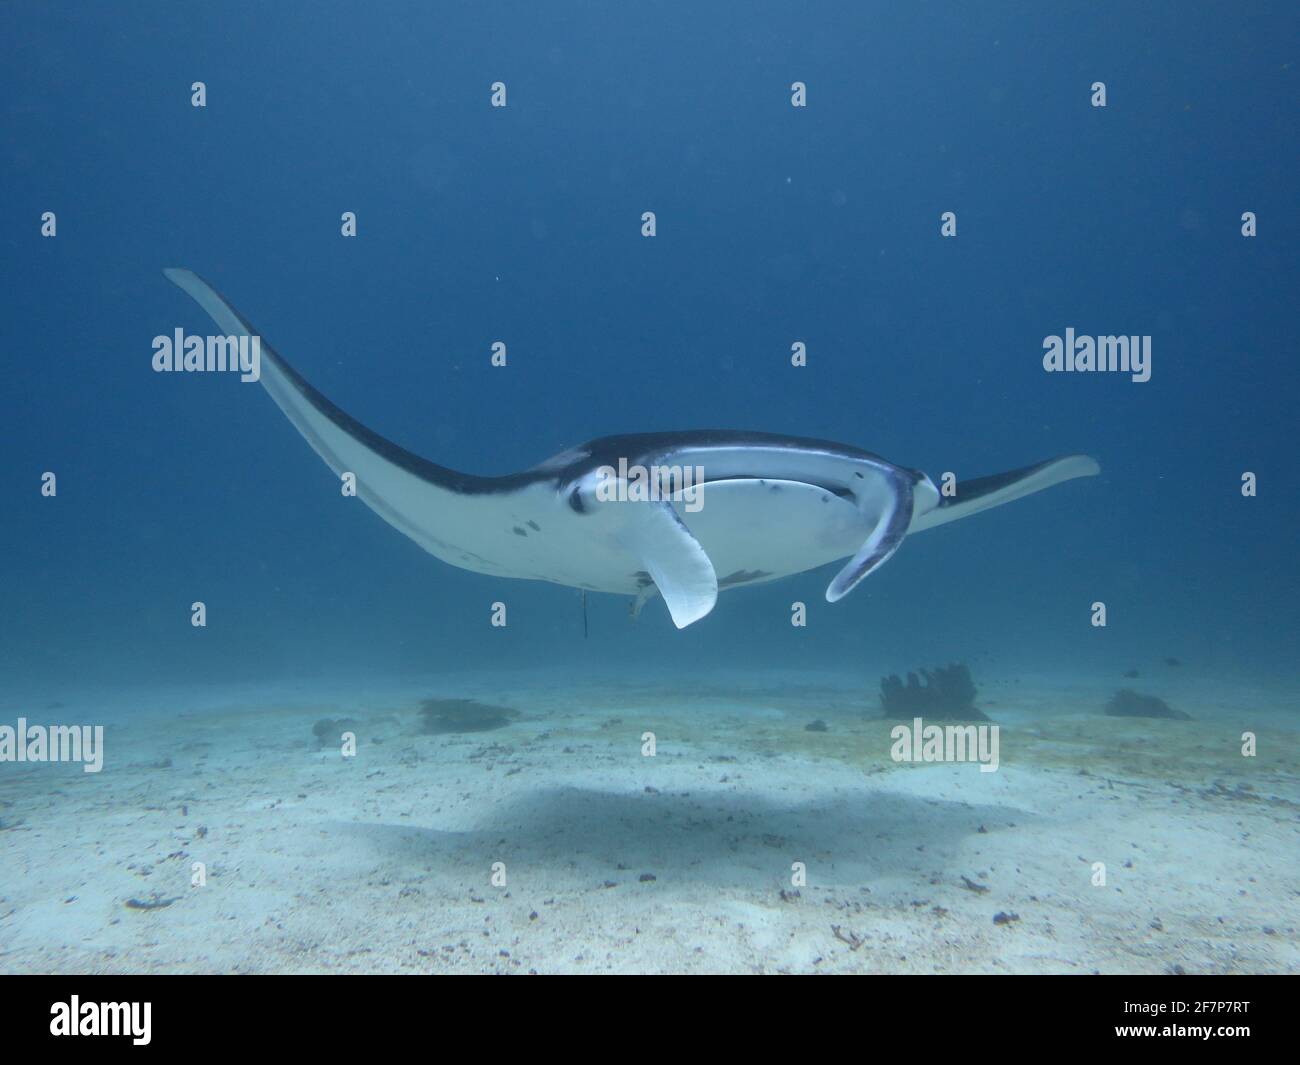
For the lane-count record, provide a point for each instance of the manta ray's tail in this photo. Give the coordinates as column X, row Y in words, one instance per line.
column 982, row 493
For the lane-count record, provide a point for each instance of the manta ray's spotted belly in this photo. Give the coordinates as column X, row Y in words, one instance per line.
column 759, row 530
column 753, row 530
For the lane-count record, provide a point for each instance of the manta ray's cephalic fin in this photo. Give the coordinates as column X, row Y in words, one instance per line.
column 884, row 540
column 673, row 557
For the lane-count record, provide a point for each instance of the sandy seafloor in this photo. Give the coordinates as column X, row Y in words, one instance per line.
column 382, row 862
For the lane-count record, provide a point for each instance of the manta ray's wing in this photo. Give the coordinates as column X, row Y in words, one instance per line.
column 672, row 556
column 906, row 511
column 336, row 436
column 429, row 503
column 450, row 513
column 982, row 493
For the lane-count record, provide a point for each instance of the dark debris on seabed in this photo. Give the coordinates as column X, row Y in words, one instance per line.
column 441, row 716
column 1128, row 703
column 327, row 730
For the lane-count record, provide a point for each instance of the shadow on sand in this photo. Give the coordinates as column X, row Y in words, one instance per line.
column 714, row 837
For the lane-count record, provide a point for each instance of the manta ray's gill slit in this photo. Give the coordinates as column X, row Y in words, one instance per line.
column 742, row 576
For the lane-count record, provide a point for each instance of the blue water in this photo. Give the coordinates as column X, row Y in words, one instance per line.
column 522, row 224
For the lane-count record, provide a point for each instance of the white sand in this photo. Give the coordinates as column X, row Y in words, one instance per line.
column 383, row 862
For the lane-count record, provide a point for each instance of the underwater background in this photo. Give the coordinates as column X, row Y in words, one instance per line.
column 775, row 224
column 522, row 223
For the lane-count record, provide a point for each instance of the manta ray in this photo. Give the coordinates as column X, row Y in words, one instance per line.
column 768, row 506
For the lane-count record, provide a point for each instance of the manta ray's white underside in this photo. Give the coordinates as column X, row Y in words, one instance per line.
column 770, row 506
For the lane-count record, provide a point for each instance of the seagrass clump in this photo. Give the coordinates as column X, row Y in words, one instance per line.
column 945, row 693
